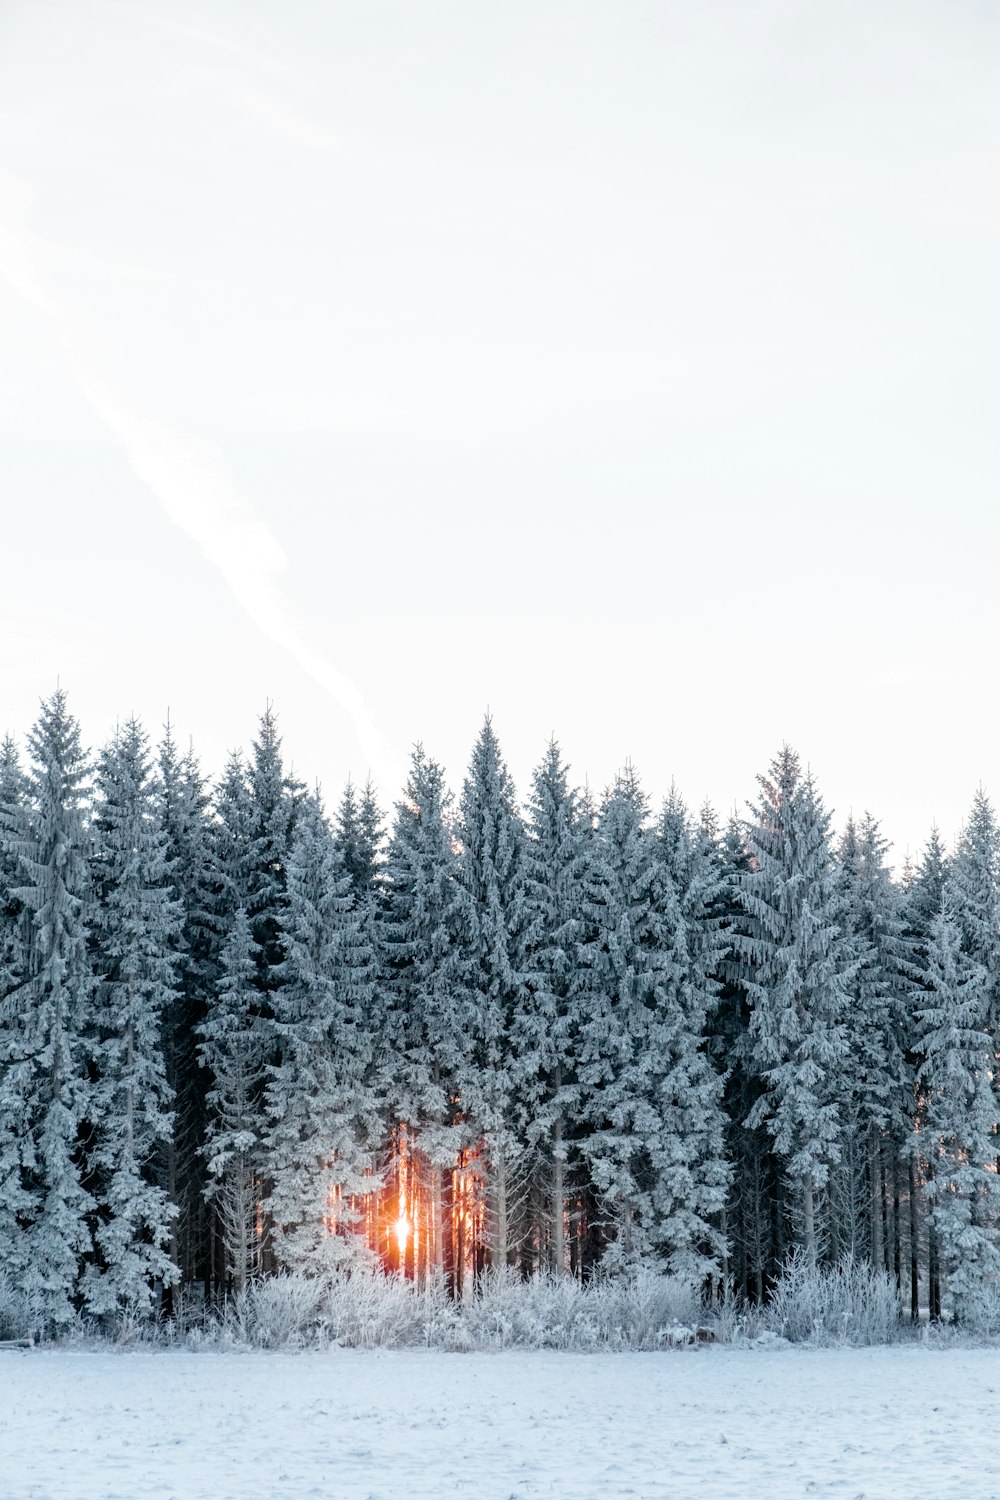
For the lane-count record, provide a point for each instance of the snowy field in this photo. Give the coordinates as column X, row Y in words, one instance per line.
column 711, row 1423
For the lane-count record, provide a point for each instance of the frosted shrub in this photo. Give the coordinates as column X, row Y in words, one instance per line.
column 736, row 1321
column 980, row 1310
column 849, row 1303
column 16, row 1321
column 364, row 1309
column 276, row 1313
column 367, row 1310
column 638, row 1311
column 543, row 1313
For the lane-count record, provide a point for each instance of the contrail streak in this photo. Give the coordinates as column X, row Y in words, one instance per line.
column 196, row 491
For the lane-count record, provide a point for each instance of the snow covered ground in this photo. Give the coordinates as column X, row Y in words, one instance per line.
column 711, row 1423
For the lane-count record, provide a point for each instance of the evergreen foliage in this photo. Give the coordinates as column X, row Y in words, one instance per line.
column 46, row 1098
column 557, row 864
column 959, row 1128
column 135, row 930
column 797, row 973
column 651, row 1097
column 185, row 816
column 321, row 1106
column 236, row 1038
column 426, row 1024
column 233, row 1049
column 502, row 1063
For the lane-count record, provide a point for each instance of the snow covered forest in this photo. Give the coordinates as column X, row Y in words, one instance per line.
column 242, row 1034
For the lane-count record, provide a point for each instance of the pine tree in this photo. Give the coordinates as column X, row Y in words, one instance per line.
column 961, row 1119
column 425, row 1024
column 135, row 933
column 502, row 1063
column 321, row 1105
column 47, row 1021
column 797, row 970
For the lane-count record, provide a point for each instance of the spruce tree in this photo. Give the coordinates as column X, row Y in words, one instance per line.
column 961, row 1116
column 47, row 1020
column 358, row 833
column 753, row 1210
column 134, row 937
column 557, row 866
column 274, row 800
column 322, row 1118
column 694, row 1194
column 13, row 794
column 650, row 1095
column 797, row 969
column 923, row 901
column 878, row 1084
column 184, row 814
column 16, row 1199
column 232, row 1048
column 503, row 1061
column 975, row 873
column 358, row 840
column 425, row 1030
column 257, row 807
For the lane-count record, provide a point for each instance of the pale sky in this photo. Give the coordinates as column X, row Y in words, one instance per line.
column 630, row 369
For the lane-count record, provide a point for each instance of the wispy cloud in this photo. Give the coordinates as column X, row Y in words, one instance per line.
column 189, row 479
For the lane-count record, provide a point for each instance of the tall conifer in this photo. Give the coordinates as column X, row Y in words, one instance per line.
column 48, row 1019
column 797, row 970
column 135, row 932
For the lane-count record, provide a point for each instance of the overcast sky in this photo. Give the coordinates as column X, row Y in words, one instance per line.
column 630, row 369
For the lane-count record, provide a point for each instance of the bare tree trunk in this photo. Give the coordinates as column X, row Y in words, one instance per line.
column 558, row 1200
column 914, row 1248
column 875, row 1200
column 724, row 1231
column 500, row 1248
column 897, row 1258
column 808, row 1223
column 933, row 1273
column 448, row 1219
column 435, row 1257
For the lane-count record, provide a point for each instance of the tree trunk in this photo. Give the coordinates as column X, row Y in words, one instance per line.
column 558, row 1200
column 875, row 1200
column 435, row 1257
column 808, row 1223
column 724, row 1231
column 460, row 1234
column 933, row 1275
column 500, row 1238
column 447, row 1221
column 914, row 1248
column 897, row 1262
